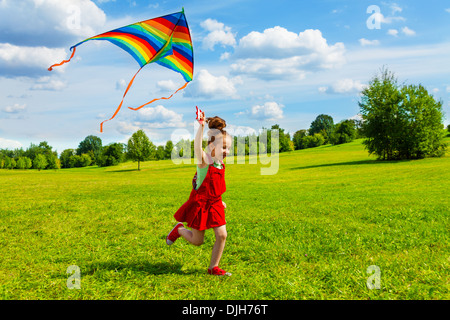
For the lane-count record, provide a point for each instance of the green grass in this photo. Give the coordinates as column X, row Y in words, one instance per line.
column 308, row 232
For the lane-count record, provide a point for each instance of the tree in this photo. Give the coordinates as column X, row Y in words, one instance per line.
column 284, row 139
column 39, row 162
column 83, row 161
column 44, row 149
column 344, row 132
column 52, row 161
column 13, row 163
column 28, row 163
column 160, row 153
column 32, row 151
column 400, row 122
column 112, row 155
column 91, row 145
column 168, row 150
column 324, row 125
column 21, row 163
column 66, row 158
column 315, row 140
column 298, row 139
column 184, row 149
column 139, row 147
column 7, row 163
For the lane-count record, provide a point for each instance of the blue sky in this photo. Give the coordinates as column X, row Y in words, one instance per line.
column 257, row 63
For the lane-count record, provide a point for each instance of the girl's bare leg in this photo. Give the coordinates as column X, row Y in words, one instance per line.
column 193, row 236
column 221, row 236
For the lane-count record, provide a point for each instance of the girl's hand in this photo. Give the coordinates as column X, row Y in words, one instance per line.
column 200, row 116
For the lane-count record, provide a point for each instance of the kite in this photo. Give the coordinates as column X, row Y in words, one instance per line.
column 164, row 40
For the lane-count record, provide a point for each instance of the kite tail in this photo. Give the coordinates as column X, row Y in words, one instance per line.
column 162, row 98
column 120, row 105
column 64, row 61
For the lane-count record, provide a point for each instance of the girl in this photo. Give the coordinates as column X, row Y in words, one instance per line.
column 205, row 209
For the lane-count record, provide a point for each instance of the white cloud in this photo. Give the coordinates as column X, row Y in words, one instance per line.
column 395, row 8
column 16, row 108
column 49, row 23
column 388, row 20
column 392, row 32
column 206, row 85
column 280, row 54
column 448, row 10
column 365, row 42
column 10, row 144
column 19, row 60
column 126, row 128
column 47, row 83
column 218, row 34
column 167, row 85
column 447, row 89
column 407, row 31
column 225, row 56
column 149, row 118
column 268, row 111
column 344, row 86
column 159, row 117
column 240, row 130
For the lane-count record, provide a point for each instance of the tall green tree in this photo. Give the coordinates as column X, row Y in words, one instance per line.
column 344, row 132
column 400, row 122
column 39, row 162
column 168, row 150
column 7, row 163
column 112, row 154
column 66, row 158
column 324, row 125
column 298, row 139
column 92, row 145
column 139, row 147
column 159, row 153
column 284, row 139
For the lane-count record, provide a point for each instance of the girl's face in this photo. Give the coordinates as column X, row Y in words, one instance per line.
column 221, row 147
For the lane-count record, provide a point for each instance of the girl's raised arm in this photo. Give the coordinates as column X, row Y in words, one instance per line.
column 198, row 148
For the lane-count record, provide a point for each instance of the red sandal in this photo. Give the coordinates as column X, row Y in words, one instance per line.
column 218, row 272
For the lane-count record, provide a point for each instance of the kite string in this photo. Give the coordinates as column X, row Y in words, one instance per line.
column 64, row 61
column 120, row 105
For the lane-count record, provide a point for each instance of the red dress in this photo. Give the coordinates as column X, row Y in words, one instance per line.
column 205, row 209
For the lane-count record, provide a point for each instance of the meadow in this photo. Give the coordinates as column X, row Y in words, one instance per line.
column 310, row 231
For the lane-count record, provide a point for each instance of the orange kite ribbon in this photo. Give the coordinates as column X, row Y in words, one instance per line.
column 64, row 61
column 126, row 91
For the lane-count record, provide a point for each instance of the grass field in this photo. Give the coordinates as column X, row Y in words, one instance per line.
column 308, row 232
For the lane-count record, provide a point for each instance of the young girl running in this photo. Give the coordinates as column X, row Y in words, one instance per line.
column 205, row 209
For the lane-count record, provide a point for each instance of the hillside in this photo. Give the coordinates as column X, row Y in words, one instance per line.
column 308, row 232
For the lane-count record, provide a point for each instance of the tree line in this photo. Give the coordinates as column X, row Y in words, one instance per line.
column 397, row 122
column 140, row 148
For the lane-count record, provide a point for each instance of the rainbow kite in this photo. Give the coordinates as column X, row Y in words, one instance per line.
column 165, row 40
